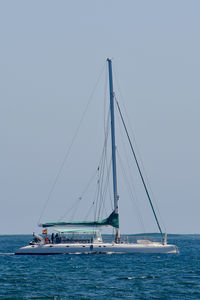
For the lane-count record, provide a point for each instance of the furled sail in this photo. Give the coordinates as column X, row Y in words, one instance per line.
column 112, row 220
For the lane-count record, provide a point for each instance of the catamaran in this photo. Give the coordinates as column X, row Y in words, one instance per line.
column 85, row 237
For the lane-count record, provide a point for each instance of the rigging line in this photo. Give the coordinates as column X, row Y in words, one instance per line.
column 73, row 213
column 87, row 214
column 93, row 203
column 143, row 168
column 105, row 184
column 138, row 153
column 104, row 188
column 107, row 188
column 70, row 146
column 147, row 180
column 142, row 178
column 97, row 196
column 106, row 132
column 101, row 167
column 101, row 182
column 108, row 164
column 70, row 209
column 89, row 183
column 103, row 160
column 155, row 202
column 129, row 179
column 104, row 170
column 138, row 215
column 81, row 197
column 141, row 163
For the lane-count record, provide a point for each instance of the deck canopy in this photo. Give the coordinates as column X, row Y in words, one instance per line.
column 112, row 220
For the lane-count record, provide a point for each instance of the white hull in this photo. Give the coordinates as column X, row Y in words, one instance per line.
column 96, row 248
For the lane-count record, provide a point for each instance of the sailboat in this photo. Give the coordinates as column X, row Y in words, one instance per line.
column 85, row 237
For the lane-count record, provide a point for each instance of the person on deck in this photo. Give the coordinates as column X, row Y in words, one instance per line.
column 52, row 238
column 47, row 241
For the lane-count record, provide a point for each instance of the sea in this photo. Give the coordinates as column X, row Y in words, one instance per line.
column 100, row 276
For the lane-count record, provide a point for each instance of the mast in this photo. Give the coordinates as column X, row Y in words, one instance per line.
column 114, row 168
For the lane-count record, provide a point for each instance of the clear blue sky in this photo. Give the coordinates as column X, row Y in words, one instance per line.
column 51, row 54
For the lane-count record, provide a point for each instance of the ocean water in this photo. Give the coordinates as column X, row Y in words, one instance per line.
column 122, row 276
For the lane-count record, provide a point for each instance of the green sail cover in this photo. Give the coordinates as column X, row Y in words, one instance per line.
column 112, row 220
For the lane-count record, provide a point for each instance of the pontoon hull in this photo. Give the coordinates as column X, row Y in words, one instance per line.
column 96, row 248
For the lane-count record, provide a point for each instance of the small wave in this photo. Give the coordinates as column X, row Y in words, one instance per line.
column 3, row 253
column 147, row 277
column 140, row 277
